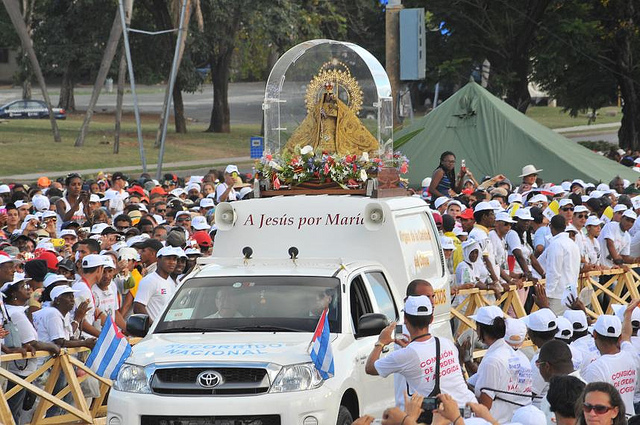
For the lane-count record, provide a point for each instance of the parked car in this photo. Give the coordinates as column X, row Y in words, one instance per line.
column 26, row 108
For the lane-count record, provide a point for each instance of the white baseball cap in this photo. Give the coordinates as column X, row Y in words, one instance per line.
column 179, row 213
column 94, row 198
column 193, row 186
column 169, row 251
column 565, row 328
column 192, row 251
column 40, row 202
column 619, row 310
column 68, row 232
column 441, row 201
column 593, row 221
column 7, row 259
column 177, row 192
column 578, row 182
column 487, row 314
column 206, row 202
column 94, row 260
column 571, row 228
column 4, row 188
column 231, row 169
column 580, row 209
column 577, row 318
column 515, row 197
column 630, row 214
column 542, row 320
column 97, row 229
column 504, row 217
column 538, row 198
column 620, row 208
column 483, row 206
column 564, row 202
column 59, row 290
column 608, row 325
column 447, row 242
column 459, row 232
column 515, row 333
column 524, row 214
column 199, row 222
column 557, row 190
column 418, row 305
column 54, row 278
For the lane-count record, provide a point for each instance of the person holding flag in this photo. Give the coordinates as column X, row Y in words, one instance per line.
column 109, row 352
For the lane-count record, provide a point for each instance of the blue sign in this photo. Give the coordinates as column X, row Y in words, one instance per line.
column 256, row 147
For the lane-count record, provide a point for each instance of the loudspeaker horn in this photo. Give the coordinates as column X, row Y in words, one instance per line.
column 374, row 216
column 225, row 216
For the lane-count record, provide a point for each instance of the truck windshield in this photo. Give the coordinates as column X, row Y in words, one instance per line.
column 252, row 304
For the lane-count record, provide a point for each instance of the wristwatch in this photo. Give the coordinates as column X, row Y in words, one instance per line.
column 379, row 344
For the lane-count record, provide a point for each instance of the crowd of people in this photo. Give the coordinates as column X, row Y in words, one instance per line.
column 496, row 235
column 77, row 253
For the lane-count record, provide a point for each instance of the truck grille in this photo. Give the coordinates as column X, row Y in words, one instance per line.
column 236, row 381
column 211, row 420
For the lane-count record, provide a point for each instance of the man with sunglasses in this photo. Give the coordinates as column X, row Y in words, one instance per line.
column 566, row 209
column 580, row 216
column 619, row 363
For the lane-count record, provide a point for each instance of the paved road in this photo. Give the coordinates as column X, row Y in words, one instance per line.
column 245, row 101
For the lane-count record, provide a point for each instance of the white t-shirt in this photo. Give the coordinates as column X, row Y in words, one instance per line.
column 592, row 250
column 538, row 385
column 620, row 370
column 504, row 369
column 634, row 246
column 587, row 346
column 621, row 241
column 27, row 334
column 107, row 300
column 499, row 247
column 416, row 362
column 51, row 324
column 220, row 189
column 155, row 293
column 84, row 293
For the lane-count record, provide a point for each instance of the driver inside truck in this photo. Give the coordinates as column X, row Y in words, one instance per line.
column 324, row 299
column 227, row 304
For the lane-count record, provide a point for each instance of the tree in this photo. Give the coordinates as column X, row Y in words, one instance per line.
column 502, row 31
column 588, row 51
column 69, row 38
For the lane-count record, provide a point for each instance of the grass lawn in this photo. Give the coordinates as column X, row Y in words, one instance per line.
column 27, row 146
column 556, row 118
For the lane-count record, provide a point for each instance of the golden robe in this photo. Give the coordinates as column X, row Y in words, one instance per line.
column 334, row 128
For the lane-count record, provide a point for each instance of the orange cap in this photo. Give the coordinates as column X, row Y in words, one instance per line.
column 44, row 182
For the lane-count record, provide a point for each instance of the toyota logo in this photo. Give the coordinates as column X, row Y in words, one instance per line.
column 209, row 379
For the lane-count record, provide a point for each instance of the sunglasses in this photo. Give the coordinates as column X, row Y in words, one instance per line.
column 567, row 209
column 161, row 211
column 182, row 219
column 582, row 215
column 598, row 408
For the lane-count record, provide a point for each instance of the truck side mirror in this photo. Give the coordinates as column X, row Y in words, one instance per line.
column 138, row 325
column 371, row 324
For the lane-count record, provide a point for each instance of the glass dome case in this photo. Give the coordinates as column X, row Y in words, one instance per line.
column 306, row 76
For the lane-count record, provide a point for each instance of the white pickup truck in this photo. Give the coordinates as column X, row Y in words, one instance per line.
column 232, row 347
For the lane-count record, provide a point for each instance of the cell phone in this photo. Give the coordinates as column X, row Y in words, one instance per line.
column 3, row 210
column 430, row 403
column 57, row 243
column 463, row 165
column 398, row 330
column 466, row 412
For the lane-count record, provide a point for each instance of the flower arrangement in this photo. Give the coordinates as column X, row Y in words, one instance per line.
column 304, row 165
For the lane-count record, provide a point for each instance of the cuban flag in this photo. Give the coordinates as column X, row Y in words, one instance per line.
column 110, row 351
column 321, row 353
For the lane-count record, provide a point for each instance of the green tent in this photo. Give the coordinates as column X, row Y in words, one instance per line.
column 494, row 138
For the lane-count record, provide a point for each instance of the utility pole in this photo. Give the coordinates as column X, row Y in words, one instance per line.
column 392, row 50
column 122, row 74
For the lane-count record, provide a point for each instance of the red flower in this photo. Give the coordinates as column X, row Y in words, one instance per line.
column 269, row 157
column 404, row 167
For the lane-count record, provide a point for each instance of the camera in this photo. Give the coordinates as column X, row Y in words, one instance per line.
column 430, row 403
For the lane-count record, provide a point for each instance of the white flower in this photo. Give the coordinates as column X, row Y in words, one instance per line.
column 275, row 165
column 306, row 150
column 363, row 175
column 365, row 156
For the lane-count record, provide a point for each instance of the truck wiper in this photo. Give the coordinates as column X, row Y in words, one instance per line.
column 267, row 328
column 189, row 329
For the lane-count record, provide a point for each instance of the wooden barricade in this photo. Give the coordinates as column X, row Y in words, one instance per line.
column 65, row 364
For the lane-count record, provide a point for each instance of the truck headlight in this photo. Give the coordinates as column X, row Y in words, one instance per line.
column 132, row 379
column 297, row 377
